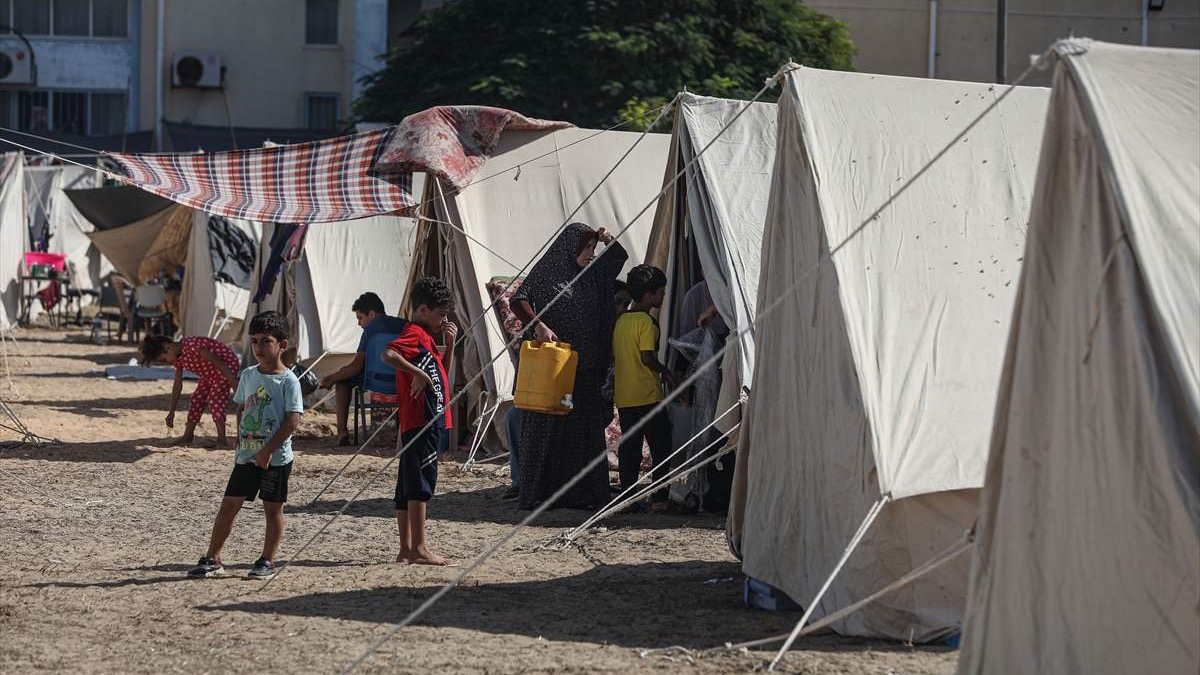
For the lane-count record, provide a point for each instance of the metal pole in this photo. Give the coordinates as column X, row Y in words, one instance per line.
column 158, row 76
column 933, row 38
column 1001, row 41
column 1145, row 22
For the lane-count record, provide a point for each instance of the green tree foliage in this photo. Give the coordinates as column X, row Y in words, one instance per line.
column 596, row 62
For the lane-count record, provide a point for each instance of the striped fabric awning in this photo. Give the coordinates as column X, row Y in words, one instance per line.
column 318, row 182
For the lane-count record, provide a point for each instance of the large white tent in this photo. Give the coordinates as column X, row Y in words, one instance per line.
column 211, row 304
column 340, row 261
column 14, row 236
column 69, row 228
column 712, row 218
column 529, row 187
column 876, row 376
column 1088, row 550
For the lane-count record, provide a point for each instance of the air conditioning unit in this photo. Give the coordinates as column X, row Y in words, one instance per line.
column 16, row 64
column 196, row 70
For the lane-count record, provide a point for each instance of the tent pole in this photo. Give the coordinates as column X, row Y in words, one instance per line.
column 876, row 509
column 481, row 428
column 1001, row 41
column 314, row 363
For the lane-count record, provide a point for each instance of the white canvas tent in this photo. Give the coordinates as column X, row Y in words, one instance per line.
column 69, row 228
column 877, row 375
column 14, row 236
column 531, row 184
column 1087, row 557
column 712, row 218
column 210, row 305
column 340, row 262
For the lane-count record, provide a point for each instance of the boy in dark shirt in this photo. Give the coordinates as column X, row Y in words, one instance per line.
column 422, row 389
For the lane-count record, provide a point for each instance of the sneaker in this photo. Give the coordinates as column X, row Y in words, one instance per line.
column 511, row 493
column 207, row 567
column 263, row 569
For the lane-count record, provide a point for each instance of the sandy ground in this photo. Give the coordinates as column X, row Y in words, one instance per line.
column 98, row 533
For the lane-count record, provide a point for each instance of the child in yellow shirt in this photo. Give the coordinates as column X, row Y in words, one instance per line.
column 637, row 387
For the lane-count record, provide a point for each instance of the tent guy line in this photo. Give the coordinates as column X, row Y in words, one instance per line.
column 610, row 508
column 469, row 330
column 562, row 292
column 715, row 358
column 537, row 511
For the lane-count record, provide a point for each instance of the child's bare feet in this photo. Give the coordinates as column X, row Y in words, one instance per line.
column 423, row 556
column 186, row 439
column 405, row 555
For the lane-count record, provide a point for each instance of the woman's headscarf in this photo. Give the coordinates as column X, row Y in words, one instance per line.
column 584, row 315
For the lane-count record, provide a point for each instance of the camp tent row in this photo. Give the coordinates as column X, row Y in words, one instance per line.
column 33, row 200
column 495, row 227
column 878, row 376
column 885, row 366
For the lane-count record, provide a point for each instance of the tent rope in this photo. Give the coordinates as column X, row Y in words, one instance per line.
column 685, row 468
column 872, row 514
column 344, row 467
column 486, row 310
column 711, row 362
column 489, row 413
column 483, row 557
column 607, row 509
column 962, row 545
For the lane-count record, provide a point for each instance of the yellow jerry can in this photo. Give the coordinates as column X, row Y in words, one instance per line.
column 546, row 377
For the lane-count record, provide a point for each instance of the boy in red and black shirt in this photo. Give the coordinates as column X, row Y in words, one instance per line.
column 423, row 391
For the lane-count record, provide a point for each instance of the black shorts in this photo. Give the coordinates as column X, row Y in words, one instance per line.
column 417, row 476
column 271, row 483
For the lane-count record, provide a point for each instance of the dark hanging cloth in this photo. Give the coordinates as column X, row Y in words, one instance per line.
column 554, row 448
column 233, row 252
column 281, row 241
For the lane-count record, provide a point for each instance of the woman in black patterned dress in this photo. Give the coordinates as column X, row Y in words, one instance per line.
column 554, row 448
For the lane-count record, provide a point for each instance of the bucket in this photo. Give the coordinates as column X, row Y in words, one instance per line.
column 546, row 377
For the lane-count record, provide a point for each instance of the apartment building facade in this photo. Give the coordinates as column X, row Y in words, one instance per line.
column 957, row 39
column 190, row 74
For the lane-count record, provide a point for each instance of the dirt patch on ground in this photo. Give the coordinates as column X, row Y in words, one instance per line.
column 99, row 532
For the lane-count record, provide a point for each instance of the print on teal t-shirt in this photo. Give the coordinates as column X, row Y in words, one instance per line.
column 265, row 400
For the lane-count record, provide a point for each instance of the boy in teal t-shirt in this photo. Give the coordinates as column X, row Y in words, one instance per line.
column 270, row 405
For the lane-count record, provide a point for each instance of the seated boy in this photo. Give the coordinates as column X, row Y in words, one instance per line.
column 421, row 386
column 637, row 386
column 270, row 406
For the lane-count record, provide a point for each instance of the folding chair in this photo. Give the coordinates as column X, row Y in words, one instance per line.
column 378, row 389
column 150, row 300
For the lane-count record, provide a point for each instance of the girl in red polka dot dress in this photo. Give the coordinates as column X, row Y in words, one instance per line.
column 215, row 364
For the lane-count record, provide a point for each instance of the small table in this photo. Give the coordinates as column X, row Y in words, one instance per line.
column 29, row 290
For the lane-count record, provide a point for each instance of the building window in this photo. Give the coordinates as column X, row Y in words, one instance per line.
column 321, row 22
column 69, row 112
column 72, row 17
column 108, row 113
column 110, row 18
column 321, row 111
column 79, row 113
column 33, row 111
column 68, row 18
column 31, row 17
